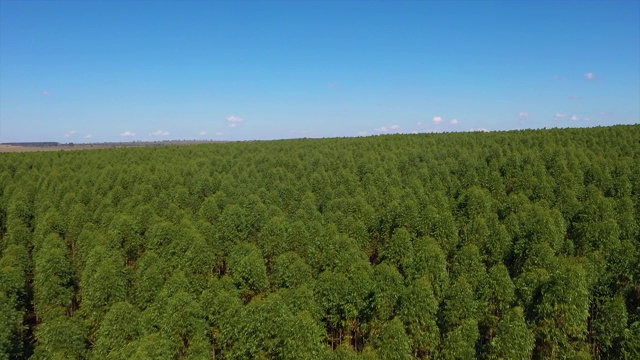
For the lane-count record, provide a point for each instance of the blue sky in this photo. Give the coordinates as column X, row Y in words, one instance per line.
column 93, row 71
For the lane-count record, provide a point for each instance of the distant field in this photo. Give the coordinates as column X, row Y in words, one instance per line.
column 5, row 148
column 14, row 148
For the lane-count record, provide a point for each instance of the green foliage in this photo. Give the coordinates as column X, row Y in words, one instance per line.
column 468, row 264
column 119, row 327
column 150, row 275
column 460, row 341
column 103, row 283
column 513, row 339
column 429, row 260
column 504, row 245
column 266, row 327
column 389, row 288
column 458, row 305
column 562, row 310
column 630, row 346
column 14, row 266
column 393, row 342
column 10, row 329
column 610, row 323
column 248, row 269
column 399, row 249
column 501, row 290
column 53, row 278
column 60, row 338
column 418, row 311
column 153, row 346
column 343, row 297
column 274, row 238
column 291, row 271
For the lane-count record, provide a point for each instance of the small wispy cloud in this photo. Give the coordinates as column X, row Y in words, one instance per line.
column 160, row 132
column 523, row 115
column 454, row 122
column 590, row 76
column 234, row 119
column 437, row 119
column 219, row 133
column 388, row 128
column 559, row 116
column 202, row 133
column 89, row 136
column 575, row 118
column 70, row 133
column 128, row 134
column 46, row 93
column 363, row 133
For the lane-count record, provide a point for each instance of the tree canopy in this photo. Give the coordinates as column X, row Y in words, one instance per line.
column 504, row 245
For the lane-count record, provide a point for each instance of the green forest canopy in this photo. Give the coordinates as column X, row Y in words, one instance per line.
column 497, row 245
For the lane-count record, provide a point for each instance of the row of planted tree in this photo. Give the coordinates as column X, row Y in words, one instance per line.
column 506, row 245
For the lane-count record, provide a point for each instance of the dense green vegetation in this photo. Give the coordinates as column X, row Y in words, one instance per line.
column 504, row 245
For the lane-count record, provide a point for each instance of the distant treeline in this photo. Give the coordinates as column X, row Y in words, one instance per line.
column 506, row 245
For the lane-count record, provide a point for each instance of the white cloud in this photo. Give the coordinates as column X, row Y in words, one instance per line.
column 128, row 134
column 523, row 115
column 454, row 122
column 437, row 120
column 234, row 119
column 575, row 118
column 160, row 132
column 70, row 133
column 89, row 136
column 590, row 76
column 559, row 116
column 233, row 125
column 219, row 133
column 419, row 123
column 46, row 93
column 202, row 133
column 388, row 128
